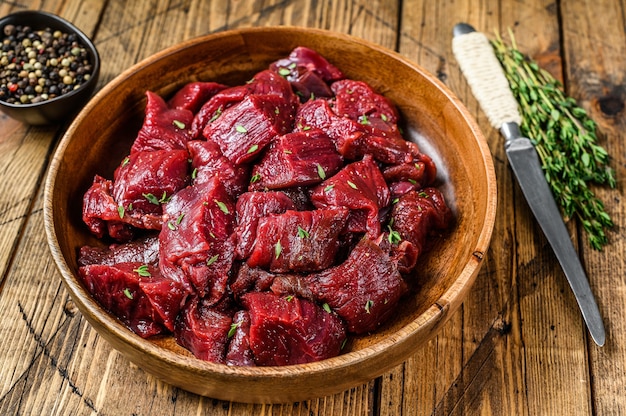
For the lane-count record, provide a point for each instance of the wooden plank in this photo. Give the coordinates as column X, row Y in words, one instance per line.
column 594, row 43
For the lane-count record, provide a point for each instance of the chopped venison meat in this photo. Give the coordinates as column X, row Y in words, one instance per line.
column 250, row 207
column 144, row 250
column 248, row 279
column 298, row 241
column 263, row 83
column 289, row 330
column 358, row 101
column 239, row 352
column 99, row 206
column 303, row 58
column 203, row 330
column 419, row 173
column 364, row 290
column 286, row 284
column 296, row 159
column 354, row 138
column 196, row 245
column 145, row 180
column 402, row 252
column 102, row 214
column 163, row 128
column 207, row 161
column 136, row 293
column 193, row 95
column 359, row 187
column 299, row 195
column 418, row 214
column 246, row 128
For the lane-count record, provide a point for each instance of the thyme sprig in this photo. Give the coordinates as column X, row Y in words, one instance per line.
column 565, row 138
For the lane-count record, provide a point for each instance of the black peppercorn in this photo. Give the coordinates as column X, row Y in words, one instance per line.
column 36, row 65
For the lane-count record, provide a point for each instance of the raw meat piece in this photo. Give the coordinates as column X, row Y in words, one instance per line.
column 418, row 214
column 364, row 290
column 356, row 99
column 246, row 128
column 289, row 330
column 250, row 207
column 207, row 161
column 355, row 139
column 239, row 352
column 203, row 331
column 359, row 187
column 248, row 279
column 298, row 241
column 196, row 243
column 163, row 128
column 146, row 180
column 263, row 83
column 193, row 95
column 310, row 60
column 136, row 293
column 143, row 250
column 419, row 174
column 296, row 159
column 99, row 206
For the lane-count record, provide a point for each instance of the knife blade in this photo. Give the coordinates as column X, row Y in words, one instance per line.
column 489, row 85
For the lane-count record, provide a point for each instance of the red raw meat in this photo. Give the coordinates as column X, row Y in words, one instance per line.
column 359, row 187
column 298, row 241
column 193, row 95
column 137, row 294
column 163, row 128
column 417, row 215
column 246, row 128
column 309, row 60
column 263, row 83
column 203, row 330
column 296, row 159
column 144, row 250
column 196, row 243
column 289, row 330
column 364, row 290
column 146, row 180
column 207, row 161
column 239, row 352
column 251, row 206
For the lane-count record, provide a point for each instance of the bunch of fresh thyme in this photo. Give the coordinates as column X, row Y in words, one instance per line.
column 565, row 139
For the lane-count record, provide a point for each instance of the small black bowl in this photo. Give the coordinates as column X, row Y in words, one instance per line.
column 58, row 109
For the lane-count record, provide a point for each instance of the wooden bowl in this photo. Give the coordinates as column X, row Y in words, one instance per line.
column 101, row 136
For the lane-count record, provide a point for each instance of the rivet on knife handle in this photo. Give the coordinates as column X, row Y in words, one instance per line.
column 489, row 85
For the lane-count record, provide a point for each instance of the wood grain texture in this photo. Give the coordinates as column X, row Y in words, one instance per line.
column 517, row 346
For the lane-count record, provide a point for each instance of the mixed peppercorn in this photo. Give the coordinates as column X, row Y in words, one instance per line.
column 37, row 65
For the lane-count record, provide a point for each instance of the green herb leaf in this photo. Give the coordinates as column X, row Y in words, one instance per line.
column 320, row 172
column 241, row 129
column 128, row 293
column 151, row 198
column 352, row 185
column 120, row 211
column 329, row 188
column 253, row 148
column 233, row 329
column 278, row 248
column 302, row 233
column 326, row 307
column 368, row 305
column 143, row 271
column 212, row 260
column 255, row 178
column 179, row 124
column 222, row 206
column 283, row 72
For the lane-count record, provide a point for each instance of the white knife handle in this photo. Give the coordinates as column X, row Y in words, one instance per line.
column 485, row 76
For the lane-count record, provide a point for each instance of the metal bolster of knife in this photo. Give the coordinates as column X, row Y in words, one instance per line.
column 513, row 137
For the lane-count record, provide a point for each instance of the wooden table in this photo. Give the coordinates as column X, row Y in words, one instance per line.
column 518, row 344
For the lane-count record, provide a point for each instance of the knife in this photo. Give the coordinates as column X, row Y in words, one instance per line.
column 486, row 79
